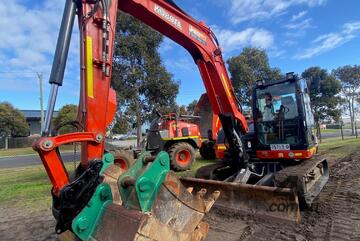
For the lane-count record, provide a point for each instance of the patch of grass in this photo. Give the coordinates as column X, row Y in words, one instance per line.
column 29, row 150
column 337, row 148
column 330, row 131
column 28, row 186
column 198, row 163
column 17, row 151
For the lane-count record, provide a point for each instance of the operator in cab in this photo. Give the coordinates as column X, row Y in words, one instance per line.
column 269, row 112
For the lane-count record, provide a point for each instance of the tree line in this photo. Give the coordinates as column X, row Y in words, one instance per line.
column 332, row 94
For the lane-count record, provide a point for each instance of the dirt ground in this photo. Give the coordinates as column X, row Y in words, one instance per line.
column 335, row 216
column 26, row 223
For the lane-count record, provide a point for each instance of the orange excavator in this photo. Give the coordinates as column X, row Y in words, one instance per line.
column 102, row 201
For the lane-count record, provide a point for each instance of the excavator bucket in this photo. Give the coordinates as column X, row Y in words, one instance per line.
column 146, row 202
column 295, row 186
column 259, row 201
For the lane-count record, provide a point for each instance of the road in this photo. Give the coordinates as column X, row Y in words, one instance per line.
column 29, row 160
column 33, row 159
column 347, row 132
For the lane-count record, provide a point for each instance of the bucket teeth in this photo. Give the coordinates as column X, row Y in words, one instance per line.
column 201, row 193
column 190, row 189
column 210, row 201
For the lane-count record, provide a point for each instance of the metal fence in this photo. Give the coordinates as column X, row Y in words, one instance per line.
column 16, row 142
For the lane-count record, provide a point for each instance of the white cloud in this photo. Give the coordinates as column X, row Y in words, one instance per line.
column 304, row 24
column 351, row 27
column 244, row 10
column 166, row 45
column 30, row 34
column 329, row 41
column 181, row 64
column 276, row 53
column 298, row 16
column 27, row 45
column 234, row 40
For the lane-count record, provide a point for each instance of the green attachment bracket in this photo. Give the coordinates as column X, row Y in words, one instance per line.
column 138, row 188
column 85, row 222
column 140, row 184
column 108, row 159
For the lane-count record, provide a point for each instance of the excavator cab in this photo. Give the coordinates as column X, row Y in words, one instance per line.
column 284, row 122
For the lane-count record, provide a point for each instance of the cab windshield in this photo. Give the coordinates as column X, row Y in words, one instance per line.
column 277, row 114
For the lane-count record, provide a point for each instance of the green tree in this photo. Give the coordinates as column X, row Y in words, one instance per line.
column 190, row 108
column 121, row 127
column 324, row 89
column 12, row 121
column 66, row 114
column 247, row 68
column 182, row 110
column 350, row 88
column 141, row 81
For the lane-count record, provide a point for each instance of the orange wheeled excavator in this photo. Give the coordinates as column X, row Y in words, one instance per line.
column 101, row 201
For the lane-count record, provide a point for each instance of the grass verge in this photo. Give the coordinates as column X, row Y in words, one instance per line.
column 330, row 131
column 337, row 148
column 28, row 186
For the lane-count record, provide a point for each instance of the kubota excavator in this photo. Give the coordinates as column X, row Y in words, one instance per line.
column 101, row 201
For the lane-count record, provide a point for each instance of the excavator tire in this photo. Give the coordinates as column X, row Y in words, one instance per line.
column 207, row 150
column 123, row 158
column 182, row 156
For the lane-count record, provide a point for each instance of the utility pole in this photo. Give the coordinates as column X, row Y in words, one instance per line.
column 40, row 77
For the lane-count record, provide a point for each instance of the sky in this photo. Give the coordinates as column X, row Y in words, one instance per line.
column 296, row 34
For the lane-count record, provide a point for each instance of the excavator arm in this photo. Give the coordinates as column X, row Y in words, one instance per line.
column 201, row 43
column 198, row 39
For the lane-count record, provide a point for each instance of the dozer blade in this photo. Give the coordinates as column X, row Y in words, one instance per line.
column 129, row 206
column 259, row 201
